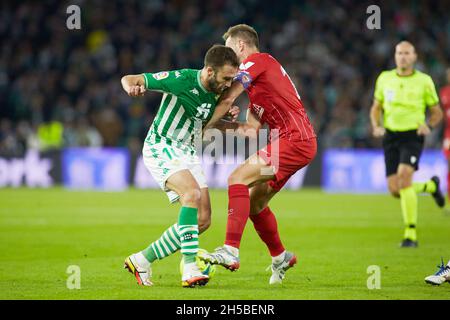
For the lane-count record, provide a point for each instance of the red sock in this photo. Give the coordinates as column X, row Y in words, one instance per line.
column 266, row 225
column 448, row 185
column 238, row 212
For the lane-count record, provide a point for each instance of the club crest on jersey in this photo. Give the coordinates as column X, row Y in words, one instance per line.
column 194, row 91
column 161, row 75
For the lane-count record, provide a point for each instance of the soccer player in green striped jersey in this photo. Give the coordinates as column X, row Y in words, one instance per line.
column 403, row 95
column 189, row 100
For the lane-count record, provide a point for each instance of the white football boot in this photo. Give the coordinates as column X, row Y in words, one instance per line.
column 279, row 269
column 221, row 256
column 441, row 276
column 142, row 274
column 192, row 276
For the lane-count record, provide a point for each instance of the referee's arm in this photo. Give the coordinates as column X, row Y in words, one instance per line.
column 436, row 116
column 434, row 119
column 432, row 102
column 376, row 112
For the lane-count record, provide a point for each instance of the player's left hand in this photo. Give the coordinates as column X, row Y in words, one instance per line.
column 423, row 130
column 234, row 113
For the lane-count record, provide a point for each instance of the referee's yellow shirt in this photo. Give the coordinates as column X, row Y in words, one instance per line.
column 405, row 99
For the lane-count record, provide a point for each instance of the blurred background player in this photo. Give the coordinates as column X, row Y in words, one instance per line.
column 445, row 101
column 404, row 95
column 441, row 276
column 188, row 102
column 274, row 100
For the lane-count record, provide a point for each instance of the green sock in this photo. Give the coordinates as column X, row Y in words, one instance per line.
column 408, row 201
column 188, row 228
column 167, row 244
column 428, row 187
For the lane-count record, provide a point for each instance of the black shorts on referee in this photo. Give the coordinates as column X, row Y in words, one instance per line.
column 402, row 147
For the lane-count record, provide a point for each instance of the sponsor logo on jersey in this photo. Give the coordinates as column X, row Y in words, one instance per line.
column 177, row 74
column 203, row 111
column 161, row 75
column 258, row 110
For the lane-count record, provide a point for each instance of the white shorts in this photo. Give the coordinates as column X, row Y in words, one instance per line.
column 163, row 161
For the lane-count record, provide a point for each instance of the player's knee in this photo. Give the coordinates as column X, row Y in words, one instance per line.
column 394, row 190
column 191, row 197
column 404, row 182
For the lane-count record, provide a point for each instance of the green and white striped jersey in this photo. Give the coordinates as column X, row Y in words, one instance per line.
column 186, row 106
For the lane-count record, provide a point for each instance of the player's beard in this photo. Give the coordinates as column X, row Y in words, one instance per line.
column 213, row 85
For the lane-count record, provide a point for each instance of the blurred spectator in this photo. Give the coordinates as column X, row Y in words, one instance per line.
column 325, row 47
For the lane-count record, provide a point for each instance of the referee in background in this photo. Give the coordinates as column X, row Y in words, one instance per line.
column 403, row 96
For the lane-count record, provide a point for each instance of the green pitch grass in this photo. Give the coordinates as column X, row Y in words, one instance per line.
column 336, row 238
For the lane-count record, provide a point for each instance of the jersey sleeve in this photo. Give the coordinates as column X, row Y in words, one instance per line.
column 431, row 96
column 249, row 71
column 165, row 81
column 379, row 92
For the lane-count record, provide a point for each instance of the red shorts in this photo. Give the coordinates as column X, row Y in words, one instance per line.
column 287, row 157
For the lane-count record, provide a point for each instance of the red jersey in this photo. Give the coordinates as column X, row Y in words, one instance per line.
column 445, row 101
column 274, row 98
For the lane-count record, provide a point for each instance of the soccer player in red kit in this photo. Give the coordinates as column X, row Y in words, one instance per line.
column 274, row 101
column 444, row 94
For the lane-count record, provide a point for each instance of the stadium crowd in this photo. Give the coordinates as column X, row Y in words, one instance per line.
column 61, row 87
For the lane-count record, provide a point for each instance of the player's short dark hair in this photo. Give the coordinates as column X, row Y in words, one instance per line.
column 218, row 55
column 244, row 32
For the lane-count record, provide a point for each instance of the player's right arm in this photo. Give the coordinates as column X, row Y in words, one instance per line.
column 133, row 84
column 164, row 81
column 251, row 127
column 248, row 128
column 250, row 71
column 376, row 111
column 224, row 105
